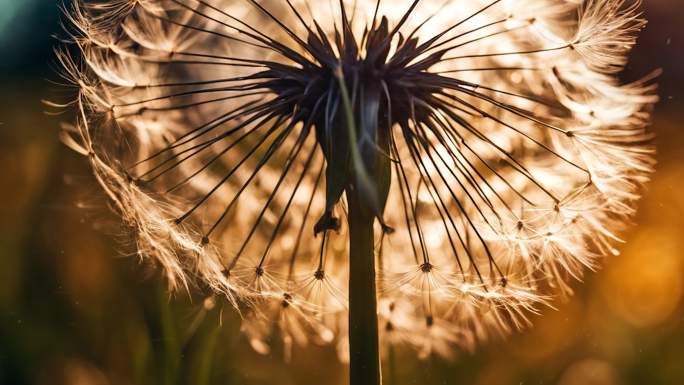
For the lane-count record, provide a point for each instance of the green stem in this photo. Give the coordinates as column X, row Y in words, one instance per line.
column 363, row 315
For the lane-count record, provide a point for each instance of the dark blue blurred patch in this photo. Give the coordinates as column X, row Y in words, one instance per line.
column 26, row 30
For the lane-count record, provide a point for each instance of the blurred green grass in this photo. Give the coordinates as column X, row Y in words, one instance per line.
column 74, row 310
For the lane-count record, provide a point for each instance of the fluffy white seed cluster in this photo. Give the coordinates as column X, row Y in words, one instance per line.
column 546, row 154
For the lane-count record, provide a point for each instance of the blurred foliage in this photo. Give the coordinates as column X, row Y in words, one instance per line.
column 75, row 309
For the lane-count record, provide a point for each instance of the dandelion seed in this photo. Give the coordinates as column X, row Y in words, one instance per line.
column 259, row 147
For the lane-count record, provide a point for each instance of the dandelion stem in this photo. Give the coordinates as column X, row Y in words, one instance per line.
column 363, row 317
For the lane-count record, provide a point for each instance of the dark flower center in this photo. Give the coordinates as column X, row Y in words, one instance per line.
column 352, row 94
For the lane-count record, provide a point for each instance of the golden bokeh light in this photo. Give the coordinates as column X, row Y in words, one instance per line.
column 590, row 372
column 644, row 285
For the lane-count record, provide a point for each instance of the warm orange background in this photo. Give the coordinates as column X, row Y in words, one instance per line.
column 74, row 311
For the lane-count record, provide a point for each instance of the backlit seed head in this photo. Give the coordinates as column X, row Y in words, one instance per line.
column 490, row 139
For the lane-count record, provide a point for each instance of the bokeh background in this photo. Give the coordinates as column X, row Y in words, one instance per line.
column 75, row 310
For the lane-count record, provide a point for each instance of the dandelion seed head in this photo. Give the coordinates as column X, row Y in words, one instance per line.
column 492, row 140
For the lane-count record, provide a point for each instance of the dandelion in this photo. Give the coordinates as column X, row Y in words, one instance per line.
column 430, row 172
